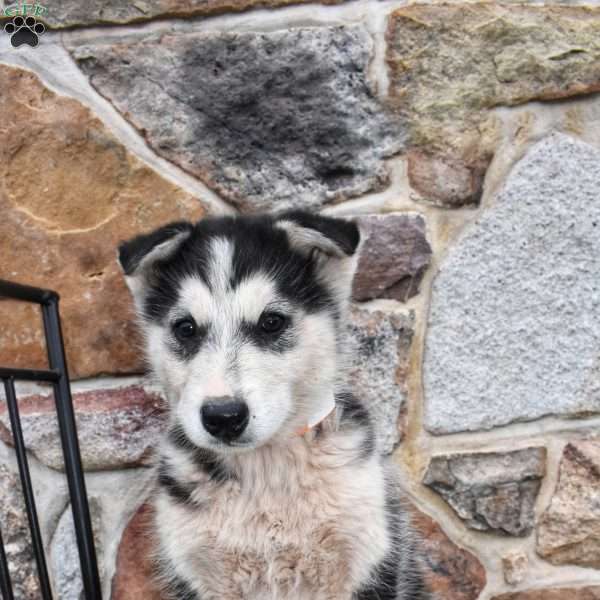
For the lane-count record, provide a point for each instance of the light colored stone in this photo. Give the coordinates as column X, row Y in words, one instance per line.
column 515, row 567
column 394, row 256
column 269, row 120
column 583, row 593
column 460, row 58
column 451, row 572
column 380, row 343
column 14, row 527
column 569, row 529
column 117, row 427
column 69, row 193
column 64, row 555
column 73, row 13
column 491, row 491
column 514, row 323
column 451, row 63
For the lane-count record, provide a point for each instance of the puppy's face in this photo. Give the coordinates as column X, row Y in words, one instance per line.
column 241, row 318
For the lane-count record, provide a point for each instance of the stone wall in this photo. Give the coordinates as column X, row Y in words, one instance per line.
column 465, row 138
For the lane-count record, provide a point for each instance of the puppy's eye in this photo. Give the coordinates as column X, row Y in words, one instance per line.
column 272, row 322
column 185, row 329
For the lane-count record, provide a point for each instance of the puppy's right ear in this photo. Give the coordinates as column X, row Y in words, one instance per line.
column 138, row 255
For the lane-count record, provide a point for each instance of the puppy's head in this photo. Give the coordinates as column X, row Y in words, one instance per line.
column 242, row 319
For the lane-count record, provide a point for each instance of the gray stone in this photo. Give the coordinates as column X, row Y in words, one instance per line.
column 64, row 556
column 491, row 491
column 15, row 535
column 380, row 344
column 394, row 256
column 268, row 120
column 514, row 325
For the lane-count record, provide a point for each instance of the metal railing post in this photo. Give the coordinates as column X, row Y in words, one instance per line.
column 71, row 453
column 58, row 375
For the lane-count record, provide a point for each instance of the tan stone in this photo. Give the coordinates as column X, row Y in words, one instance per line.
column 71, row 13
column 69, row 192
column 569, row 529
column 586, row 593
column 452, row 573
column 450, row 64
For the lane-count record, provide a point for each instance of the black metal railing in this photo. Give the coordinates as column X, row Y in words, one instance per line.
column 58, row 376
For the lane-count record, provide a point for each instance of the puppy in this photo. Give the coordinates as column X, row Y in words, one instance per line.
column 269, row 483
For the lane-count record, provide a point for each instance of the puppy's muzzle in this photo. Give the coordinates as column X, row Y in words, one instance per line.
column 225, row 417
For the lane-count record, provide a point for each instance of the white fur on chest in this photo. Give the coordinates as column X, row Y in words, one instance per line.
column 303, row 522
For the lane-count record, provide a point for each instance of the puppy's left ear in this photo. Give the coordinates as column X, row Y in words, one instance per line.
column 333, row 244
column 138, row 256
column 334, row 237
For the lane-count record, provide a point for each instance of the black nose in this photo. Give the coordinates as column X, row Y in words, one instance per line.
column 225, row 418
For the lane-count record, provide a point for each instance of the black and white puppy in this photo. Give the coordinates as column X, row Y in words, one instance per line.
column 270, row 486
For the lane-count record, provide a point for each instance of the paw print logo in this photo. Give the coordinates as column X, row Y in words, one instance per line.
column 24, row 31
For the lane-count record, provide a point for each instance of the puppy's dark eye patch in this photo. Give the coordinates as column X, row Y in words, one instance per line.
column 185, row 329
column 272, row 323
column 187, row 336
column 273, row 331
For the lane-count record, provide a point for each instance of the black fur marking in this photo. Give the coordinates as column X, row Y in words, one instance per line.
column 179, row 439
column 352, row 410
column 174, row 587
column 368, row 445
column 356, row 416
column 187, row 348
column 190, row 259
column 415, row 583
column 389, row 577
column 279, row 342
column 179, row 589
column 212, row 466
column 206, row 460
column 131, row 253
column 344, row 234
column 180, row 492
column 258, row 247
column 384, row 589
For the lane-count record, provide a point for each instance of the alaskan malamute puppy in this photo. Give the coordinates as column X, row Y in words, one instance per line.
column 270, row 485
